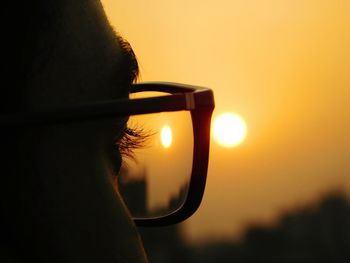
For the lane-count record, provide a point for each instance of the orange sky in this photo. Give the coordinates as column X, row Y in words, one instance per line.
column 284, row 66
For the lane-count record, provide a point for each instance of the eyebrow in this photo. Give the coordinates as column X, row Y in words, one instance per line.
column 129, row 60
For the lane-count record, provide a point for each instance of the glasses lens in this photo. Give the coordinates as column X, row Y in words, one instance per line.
column 154, row 179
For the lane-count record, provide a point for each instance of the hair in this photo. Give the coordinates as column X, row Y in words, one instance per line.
column 30, row 34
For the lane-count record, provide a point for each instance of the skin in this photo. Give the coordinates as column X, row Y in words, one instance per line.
column 58, row 199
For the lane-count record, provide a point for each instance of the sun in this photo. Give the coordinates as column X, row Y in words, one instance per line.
column 166, row 136
column 229, row 129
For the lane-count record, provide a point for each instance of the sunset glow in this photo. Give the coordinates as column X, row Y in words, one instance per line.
column 229, row 129
column 166, row 136
column 283, row 66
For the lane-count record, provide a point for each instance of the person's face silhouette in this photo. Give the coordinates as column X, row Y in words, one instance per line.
column 64, row 191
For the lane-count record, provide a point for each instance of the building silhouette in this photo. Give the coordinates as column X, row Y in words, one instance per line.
column 316, row 233
column 313, row 233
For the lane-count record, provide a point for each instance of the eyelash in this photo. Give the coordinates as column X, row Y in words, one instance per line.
column 132, row 139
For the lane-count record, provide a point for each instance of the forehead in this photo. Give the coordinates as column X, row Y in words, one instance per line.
column 70, row 79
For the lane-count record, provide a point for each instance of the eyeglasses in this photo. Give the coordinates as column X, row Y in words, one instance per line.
column 198, row 101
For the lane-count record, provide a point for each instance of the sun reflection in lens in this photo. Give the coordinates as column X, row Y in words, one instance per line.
column 166, row 136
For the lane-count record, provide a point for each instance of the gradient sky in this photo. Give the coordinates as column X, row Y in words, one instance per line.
column 284, row 66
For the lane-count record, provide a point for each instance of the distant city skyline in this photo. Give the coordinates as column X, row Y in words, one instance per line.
column 313, row 232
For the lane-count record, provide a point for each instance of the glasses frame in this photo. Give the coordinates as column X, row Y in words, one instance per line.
column 198, row 100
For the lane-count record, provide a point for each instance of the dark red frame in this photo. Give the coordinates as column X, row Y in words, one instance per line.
column 198, row 100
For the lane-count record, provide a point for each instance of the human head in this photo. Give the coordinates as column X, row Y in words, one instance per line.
column 57, row 198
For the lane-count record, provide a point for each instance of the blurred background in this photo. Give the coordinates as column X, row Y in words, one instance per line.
column 282, row 193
